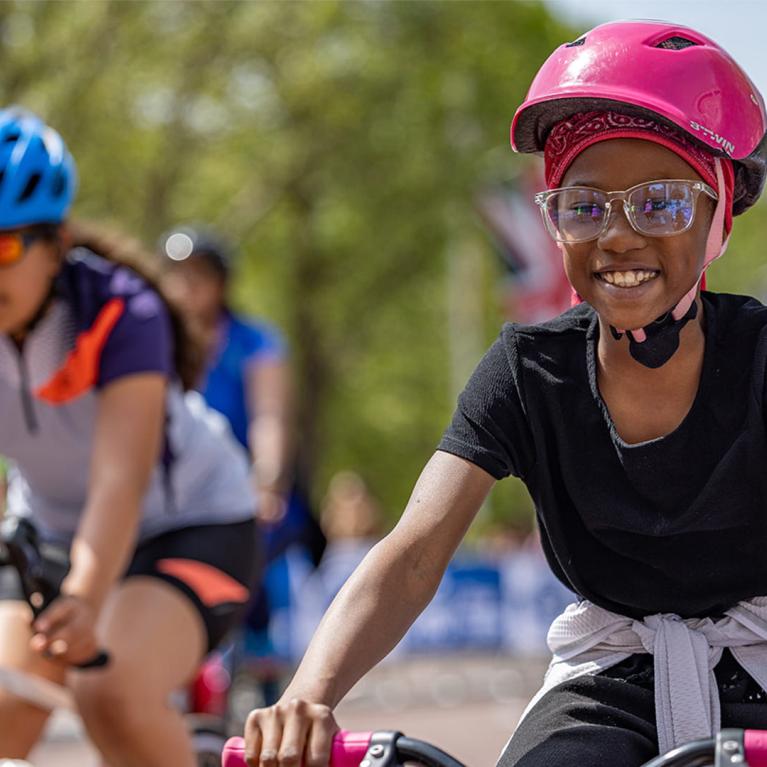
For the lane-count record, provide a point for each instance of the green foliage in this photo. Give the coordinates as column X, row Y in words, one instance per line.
column 339, row 144
column 743, row 269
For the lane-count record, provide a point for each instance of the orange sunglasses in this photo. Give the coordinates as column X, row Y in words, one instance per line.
column 13, row 245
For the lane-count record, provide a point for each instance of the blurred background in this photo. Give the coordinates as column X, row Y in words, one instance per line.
column 356, row 154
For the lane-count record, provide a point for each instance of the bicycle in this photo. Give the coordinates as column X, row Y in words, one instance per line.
column 730, row 748
column 41, row 569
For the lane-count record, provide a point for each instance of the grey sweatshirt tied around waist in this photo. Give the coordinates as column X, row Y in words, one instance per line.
column 587, row 639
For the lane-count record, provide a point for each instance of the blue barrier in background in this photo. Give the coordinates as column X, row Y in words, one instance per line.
column 483, row 603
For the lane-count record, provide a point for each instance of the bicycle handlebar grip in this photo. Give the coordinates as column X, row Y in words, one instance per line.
column 755, row 743
column 348, row 750
column 234, row 753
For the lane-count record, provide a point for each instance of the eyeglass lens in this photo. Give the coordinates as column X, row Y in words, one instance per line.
column 656, row 209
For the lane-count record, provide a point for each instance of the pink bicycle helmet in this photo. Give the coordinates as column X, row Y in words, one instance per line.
column 670, row 71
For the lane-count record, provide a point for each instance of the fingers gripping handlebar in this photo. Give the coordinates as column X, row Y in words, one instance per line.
column 41, row 570
column 363, row 749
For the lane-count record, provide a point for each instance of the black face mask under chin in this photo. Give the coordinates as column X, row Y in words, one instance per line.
column 662, row 339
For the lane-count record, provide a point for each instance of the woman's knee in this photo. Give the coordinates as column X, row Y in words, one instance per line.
column 152, row 635
column 115, row 701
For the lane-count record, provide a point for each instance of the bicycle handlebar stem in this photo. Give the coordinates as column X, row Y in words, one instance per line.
column 730, row 749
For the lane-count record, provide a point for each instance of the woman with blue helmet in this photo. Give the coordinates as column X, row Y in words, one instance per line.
column 113, row 460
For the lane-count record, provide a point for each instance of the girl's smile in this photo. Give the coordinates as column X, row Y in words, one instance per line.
column 630, row 278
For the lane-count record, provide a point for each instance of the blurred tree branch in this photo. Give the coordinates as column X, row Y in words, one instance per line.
column 329, row 139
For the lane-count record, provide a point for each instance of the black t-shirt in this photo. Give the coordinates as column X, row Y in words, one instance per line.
column 676, row 524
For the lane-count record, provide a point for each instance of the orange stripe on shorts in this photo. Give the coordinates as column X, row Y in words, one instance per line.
column 211, row 585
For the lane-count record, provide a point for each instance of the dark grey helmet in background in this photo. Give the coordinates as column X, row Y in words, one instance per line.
column 185, row 242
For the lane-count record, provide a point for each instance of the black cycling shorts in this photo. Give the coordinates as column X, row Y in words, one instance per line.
column 214, row 566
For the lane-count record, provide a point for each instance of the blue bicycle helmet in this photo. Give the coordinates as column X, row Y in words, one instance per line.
column 38, row 177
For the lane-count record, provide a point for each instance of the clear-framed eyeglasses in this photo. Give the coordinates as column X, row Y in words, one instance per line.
column 661, row 208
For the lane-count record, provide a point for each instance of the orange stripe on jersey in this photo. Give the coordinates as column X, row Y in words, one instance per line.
column 80, row 369
column 211, row 585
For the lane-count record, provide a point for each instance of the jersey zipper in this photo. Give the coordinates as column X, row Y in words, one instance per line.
column 27, row 403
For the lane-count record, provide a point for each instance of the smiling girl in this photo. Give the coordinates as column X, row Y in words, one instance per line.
column 636, row 420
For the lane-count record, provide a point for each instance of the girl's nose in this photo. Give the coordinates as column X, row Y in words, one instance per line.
column 618, row 235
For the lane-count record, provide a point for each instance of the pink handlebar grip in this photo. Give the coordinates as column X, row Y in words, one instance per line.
column 755, row 744
column 348, row 750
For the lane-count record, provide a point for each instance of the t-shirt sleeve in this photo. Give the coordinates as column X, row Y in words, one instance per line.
column 141, row 340
column 266, row 345
column 489, row 427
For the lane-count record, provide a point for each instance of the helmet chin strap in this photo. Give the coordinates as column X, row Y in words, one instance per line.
column 655, row 344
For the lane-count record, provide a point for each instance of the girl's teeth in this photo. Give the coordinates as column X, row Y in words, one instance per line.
column 628, row 279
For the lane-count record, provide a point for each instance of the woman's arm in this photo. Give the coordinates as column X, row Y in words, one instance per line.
column 126, row 444
column 372, row 612
column 271, row 434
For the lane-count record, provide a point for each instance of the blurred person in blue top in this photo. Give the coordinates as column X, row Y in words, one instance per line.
column 114, row 462
column 247, row 376
column 247, row 379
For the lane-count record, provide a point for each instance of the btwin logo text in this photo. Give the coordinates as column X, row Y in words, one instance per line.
column 727, row 146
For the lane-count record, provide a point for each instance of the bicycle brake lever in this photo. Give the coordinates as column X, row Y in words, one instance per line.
column 40, row 572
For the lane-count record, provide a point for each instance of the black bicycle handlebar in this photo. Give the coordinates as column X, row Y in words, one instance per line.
column 730, row 748
column 409, row 749
column 41, row 569
column 698, row 753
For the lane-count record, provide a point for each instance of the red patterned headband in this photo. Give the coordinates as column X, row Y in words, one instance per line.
column 571, row 136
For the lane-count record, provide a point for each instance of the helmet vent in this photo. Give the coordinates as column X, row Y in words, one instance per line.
column 676, row 43
column 59, row 184
column 30, row 187
column 576, row 43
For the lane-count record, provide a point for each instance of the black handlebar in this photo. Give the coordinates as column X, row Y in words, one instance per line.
column 41, row 569
column 698, row 753
column 409, row 749
column 730, row 748
column 390, row 748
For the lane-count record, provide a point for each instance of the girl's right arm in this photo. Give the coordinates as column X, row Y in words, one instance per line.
column 371, row 613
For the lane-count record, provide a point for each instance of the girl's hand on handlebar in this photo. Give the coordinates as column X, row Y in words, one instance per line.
column 66, row 631
column 290, row 734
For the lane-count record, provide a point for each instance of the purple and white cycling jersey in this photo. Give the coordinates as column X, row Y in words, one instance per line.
column 105, row 322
